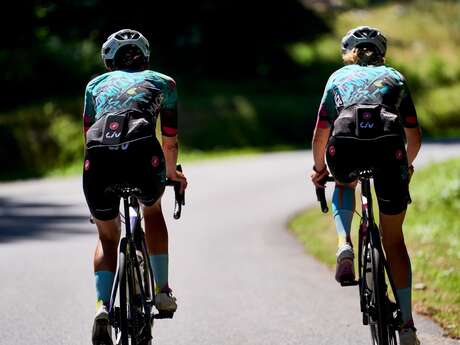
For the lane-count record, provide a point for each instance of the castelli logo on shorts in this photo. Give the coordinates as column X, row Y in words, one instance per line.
column 114, row 126
column 332, row 150
column 87, row 164
column 155, row 161
column 399, row 154
column 367, row 115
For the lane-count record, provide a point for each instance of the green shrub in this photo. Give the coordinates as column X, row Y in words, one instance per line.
column 66, row 133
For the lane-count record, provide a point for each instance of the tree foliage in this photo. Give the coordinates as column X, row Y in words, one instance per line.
column 54, row 45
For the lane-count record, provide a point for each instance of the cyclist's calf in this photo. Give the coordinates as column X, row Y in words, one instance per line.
column 105, row 257
column 109, row 230
column 395, row 248
column 391, row 228
column 156, row 232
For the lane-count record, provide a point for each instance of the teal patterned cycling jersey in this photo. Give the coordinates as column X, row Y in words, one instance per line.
column 148, row 91
column 355, row 84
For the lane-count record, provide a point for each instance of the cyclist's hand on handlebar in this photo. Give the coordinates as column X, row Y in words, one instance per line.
column 317, row 175
column 179, row 176
column 410, row 172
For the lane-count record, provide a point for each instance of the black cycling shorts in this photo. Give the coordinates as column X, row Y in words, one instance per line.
column 388, row 157
column 140, row 164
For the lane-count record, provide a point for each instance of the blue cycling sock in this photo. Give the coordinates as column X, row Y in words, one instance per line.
column 160, row 270
column 405, row 299
column 342, row 210
column 104, row 282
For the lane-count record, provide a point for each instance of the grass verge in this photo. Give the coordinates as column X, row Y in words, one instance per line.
column 432, row 233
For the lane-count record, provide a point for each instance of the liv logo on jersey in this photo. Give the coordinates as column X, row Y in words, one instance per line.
column 113, row 129
column 366, row 125
column 113, row 135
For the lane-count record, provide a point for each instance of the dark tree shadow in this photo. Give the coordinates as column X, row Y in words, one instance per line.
column 34, row 220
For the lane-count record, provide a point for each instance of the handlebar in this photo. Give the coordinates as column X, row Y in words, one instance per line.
column 321, row 195
column 180, row 197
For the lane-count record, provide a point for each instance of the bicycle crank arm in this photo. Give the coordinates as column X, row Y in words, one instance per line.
column 350, row 283
column 163, row 315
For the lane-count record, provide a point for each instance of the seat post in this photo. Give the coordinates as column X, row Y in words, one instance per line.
column 366, row 193
column 127, row 221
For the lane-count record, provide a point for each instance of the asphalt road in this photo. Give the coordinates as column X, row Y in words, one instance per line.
column 239, row 275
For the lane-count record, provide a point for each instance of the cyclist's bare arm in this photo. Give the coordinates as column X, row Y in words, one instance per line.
column 171, row 150
column 319, row 142
column 414, row 141
column 169, row 124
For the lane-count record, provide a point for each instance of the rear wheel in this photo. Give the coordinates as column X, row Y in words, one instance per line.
column 378, row 309
column 123, row 316
column 144, row 307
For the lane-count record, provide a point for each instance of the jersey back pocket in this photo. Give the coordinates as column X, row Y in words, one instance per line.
column 114, row 129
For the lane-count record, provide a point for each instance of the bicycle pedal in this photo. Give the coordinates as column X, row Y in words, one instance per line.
column 164, row 315
column 349, row 283
column 365, row 319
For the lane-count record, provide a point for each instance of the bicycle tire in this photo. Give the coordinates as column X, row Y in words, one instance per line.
column 148, row 283
column 131, row 302
column 146, row 269
column 148, row 288
column 362, row 264
column 379, row 326
column 122, row 273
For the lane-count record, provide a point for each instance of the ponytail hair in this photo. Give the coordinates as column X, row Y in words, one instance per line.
column 364, row 55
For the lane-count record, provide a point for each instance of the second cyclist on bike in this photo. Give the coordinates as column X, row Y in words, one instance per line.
column 365, row 97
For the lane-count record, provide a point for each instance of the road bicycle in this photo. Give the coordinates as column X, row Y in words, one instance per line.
column 379, row 312
column 133, row 293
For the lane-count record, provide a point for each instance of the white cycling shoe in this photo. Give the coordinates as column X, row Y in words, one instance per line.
column 345, row 270
column 408, row 336
column 101, row 328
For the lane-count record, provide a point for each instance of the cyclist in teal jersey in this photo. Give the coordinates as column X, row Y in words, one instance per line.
column 365, row 80
column 130, row 154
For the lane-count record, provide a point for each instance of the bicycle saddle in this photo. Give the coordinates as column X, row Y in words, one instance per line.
column 123, row 190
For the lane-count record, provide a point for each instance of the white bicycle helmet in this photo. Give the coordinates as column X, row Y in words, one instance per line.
column 364, row 34
column 122, row 38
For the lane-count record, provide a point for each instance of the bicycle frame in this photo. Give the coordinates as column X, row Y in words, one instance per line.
column 134, row 237
column 132, row 224
column 370, row 240
column 368, row 226
column 370, row 250
column 134, row 317
column 368, row 233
